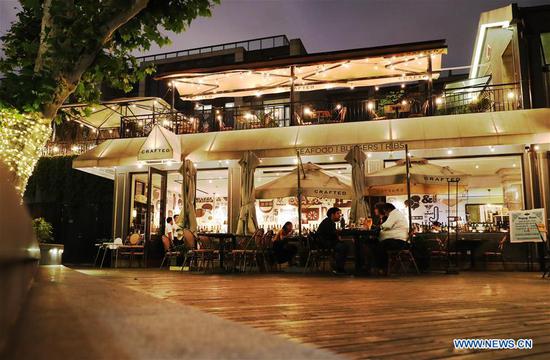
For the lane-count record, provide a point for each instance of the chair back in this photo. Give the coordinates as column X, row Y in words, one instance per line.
column 342, row 114
column 257, row 238
column 166, row 243
column 205, row 243
column 134, row 239
column 189, row 239
column 267, row 240
column 502, row 242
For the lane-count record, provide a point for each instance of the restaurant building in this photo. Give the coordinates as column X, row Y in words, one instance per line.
column 288, row 107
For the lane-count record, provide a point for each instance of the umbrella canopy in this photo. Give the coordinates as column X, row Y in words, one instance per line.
column 108, row 114
column 357, row 158
column 426, row 178
column 247, row 216
column 188, row 218
column 314, row 182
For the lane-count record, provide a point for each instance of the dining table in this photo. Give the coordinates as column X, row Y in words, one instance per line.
column 222, row 240
column 362, row 237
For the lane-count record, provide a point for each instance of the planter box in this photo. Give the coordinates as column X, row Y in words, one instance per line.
column 51, row 254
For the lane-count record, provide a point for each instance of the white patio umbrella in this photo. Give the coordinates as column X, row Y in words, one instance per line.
column 188, row 218
column 247, row 216
column 314, row 181
column 426, row 178
column 108, row 114
column 357, row 158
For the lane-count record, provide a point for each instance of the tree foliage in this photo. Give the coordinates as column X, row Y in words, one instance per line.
column 59, row 48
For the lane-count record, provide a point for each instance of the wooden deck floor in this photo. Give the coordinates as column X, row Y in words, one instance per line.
column 407, row 317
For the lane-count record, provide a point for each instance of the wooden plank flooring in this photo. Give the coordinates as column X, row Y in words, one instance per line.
column 395, row 318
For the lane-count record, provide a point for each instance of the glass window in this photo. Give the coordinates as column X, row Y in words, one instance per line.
column 138, row 202
column 494, row 188
column 212, row 200
column 273, row 213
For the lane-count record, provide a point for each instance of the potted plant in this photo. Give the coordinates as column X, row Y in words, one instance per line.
column 50, row 253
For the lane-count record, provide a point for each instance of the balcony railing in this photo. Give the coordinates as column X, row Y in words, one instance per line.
column 383, row 105
column 248, row 45
column 67, row 148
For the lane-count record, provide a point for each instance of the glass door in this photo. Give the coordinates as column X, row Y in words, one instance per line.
column 155, row 221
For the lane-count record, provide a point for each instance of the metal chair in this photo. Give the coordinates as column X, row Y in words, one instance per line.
column 497, row 254
column 317, row 255
column 244, row 255
column 401, row 259
column 189, row 244
column 169, row 253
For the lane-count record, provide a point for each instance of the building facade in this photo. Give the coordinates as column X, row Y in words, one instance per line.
column 270, row 97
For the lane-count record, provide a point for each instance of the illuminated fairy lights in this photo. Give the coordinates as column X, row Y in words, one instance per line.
column 22, row 138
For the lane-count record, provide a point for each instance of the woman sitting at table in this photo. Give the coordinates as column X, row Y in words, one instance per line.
column 283, row 251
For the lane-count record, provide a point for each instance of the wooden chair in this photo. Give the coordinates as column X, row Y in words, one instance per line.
column 130, row 250
column 169, row 252
column 244, row 254
column 496, row 254
column 189, row 244
column 206, row 254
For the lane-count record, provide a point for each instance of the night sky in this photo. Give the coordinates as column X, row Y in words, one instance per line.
column 325, row 25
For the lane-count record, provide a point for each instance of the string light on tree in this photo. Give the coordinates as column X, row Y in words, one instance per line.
column 22, row 136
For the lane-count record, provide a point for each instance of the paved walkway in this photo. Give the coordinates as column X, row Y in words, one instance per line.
column 395, row 318
column 73, row 316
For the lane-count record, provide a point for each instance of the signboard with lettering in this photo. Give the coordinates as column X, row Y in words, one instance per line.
column 343, row 149
column 161, row 144
column 527, row 225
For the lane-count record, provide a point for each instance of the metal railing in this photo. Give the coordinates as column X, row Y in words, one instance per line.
column 249, row 45
column 67, row 148
column 475, row 99
column 383, row 105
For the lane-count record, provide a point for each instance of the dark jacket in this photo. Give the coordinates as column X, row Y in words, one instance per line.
column 326, row 234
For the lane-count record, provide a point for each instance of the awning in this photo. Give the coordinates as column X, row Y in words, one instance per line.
column 432, row 132
column 107, row 115
column 350, row 68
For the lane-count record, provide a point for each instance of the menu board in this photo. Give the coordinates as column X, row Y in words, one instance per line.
column 527, row 225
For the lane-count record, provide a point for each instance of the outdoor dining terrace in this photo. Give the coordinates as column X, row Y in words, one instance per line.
column 339, row 108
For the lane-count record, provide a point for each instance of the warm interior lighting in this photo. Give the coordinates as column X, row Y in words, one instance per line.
column 449, row 152
column 376, row 88
column 338, row 107
column 439, row 100
column 370, row 105
column 307, row 111
column 402, row 86
column 511, row 95
column 404, row 102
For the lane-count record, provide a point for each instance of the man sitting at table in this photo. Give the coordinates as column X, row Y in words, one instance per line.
column 393, row 234
column 328, row 237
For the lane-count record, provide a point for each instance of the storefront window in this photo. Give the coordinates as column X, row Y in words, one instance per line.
column 494, row 188
column 211, row 202
column 273, row 213
column 138, row 202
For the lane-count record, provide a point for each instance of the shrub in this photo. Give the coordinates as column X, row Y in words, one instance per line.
column 42, row 230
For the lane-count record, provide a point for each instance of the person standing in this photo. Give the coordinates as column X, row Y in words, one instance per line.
column 393, row 233
column 329, row 239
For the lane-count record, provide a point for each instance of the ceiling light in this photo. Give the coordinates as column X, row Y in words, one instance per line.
column 439, row 100
column 449, row 152
column 376, row 88
column 370, row 105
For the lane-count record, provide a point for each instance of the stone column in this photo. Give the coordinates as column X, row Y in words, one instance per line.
column 234, row 196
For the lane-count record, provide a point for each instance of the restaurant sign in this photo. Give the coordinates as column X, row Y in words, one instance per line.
column 527, row 225
column 343, row 149
column 158, row 146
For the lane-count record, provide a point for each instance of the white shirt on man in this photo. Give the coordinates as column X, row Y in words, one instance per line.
column 395, row 227
column 168, row 229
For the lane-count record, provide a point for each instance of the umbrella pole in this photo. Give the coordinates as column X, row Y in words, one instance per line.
column 407, row 166
column 299, row 196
